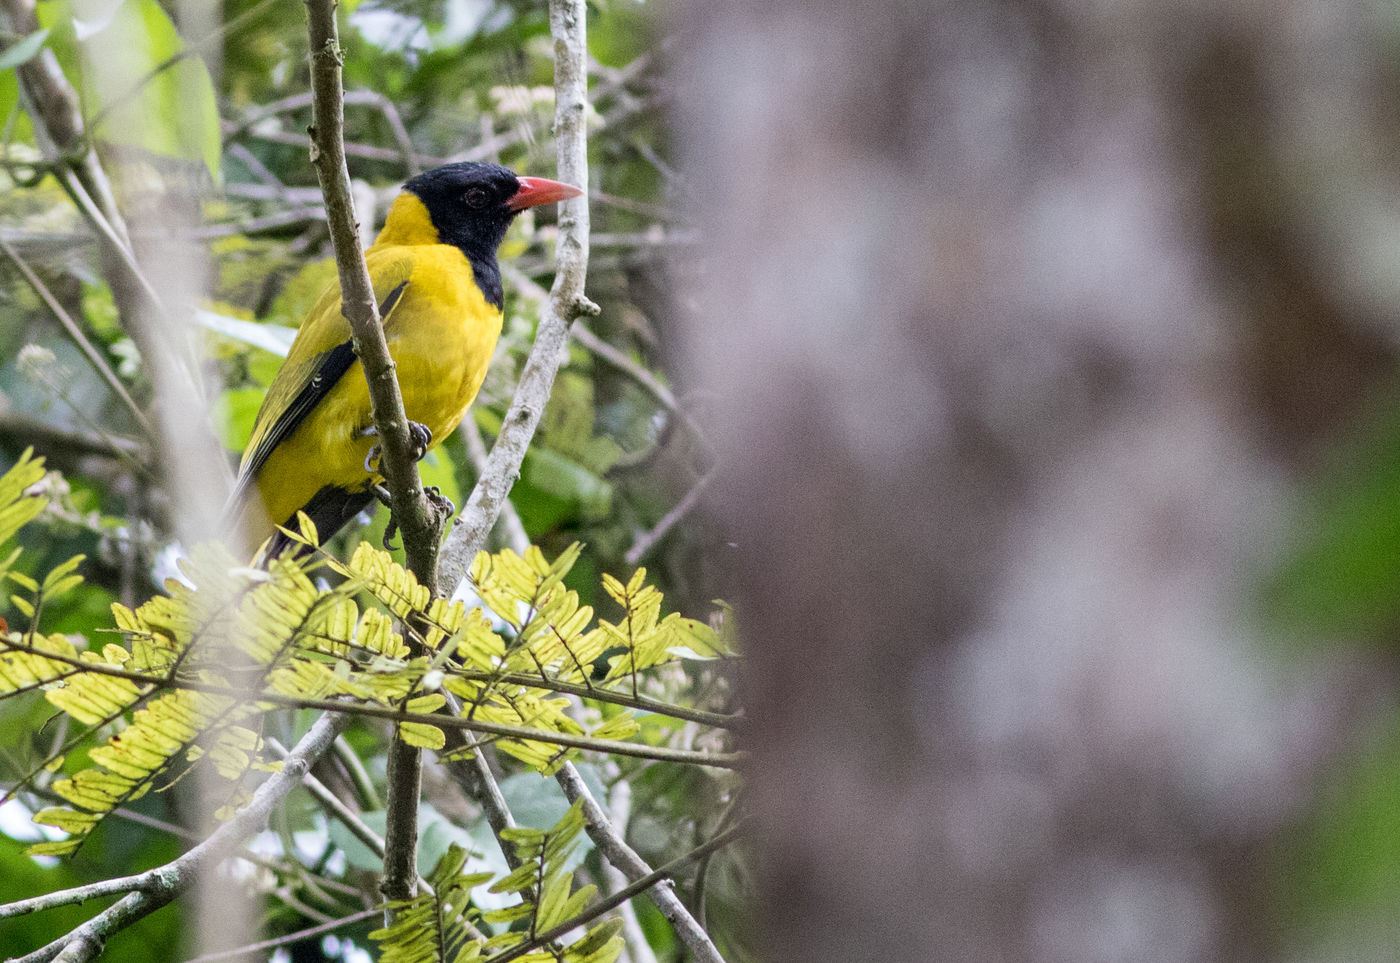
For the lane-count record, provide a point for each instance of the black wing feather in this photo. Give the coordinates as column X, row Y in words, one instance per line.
column 330, row 367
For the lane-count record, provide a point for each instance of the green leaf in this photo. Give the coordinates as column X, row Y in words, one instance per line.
column 556, row 488
column 60, row 575
column 173, row 113
column 24, row 50
column 422, row 735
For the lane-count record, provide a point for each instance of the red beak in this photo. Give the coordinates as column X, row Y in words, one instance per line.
column 535, row 191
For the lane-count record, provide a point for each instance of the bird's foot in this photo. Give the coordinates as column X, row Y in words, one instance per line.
column 420, row 437
column 439, row 505
column 440, row 509
column 372, row 456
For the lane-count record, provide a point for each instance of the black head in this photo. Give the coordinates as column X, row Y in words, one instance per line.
column 472, row 205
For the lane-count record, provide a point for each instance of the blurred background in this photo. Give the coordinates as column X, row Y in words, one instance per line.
column 1023, row 372
column 1052, row 355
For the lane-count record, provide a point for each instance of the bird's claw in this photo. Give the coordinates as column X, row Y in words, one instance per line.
column 440, row 507
column 439, row 504
column 420, row 437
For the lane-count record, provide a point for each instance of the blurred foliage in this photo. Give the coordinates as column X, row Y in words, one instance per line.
column 216, row 110
column 1337, row 583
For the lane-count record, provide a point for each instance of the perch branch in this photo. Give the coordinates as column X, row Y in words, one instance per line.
column 421, row 529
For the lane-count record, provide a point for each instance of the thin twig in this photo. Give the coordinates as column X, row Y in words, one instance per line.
column 604, row 351
column 647, row 540
column 99, row 363
column 566, row 303
column 342, row 813
column 256, row 225
column 359, row 775
column 413, row 162
column 288, row 939
column 47, row 436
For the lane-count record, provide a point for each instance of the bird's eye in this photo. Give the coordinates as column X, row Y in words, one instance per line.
column 475, row 197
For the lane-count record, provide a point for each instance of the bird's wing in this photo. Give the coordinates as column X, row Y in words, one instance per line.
column 322, row 352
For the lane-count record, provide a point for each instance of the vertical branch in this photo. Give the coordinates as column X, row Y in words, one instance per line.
column 420, row 531
column 358, row 302
column 566, row 300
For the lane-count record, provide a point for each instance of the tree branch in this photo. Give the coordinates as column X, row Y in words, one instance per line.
column 620, row 813
column 566, row 301
column 44, row 435
column 287, row 940
column 421, row 529
column 621, row 896
column 719, row 760
column 358, row 302
column 616, row 851
column 158, row 886
column 647, row 540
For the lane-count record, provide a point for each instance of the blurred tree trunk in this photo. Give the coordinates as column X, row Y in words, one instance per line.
column 1008, row 330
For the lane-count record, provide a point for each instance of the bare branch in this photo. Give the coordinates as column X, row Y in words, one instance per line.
column 620, row 813
column 288, row 939
column 647, row 381
column 413, row 162
column 649, row 881
column 46, row 436
column 616, row 851
column 512, row 529
column 78, row 894
column 421, row 528
column 566, row 302
column 647, row 540
column 357, row 296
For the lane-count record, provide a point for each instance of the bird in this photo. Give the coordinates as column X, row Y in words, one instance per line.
column 313, row 446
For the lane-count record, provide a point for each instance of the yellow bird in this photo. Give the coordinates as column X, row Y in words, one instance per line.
column 435, row 276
